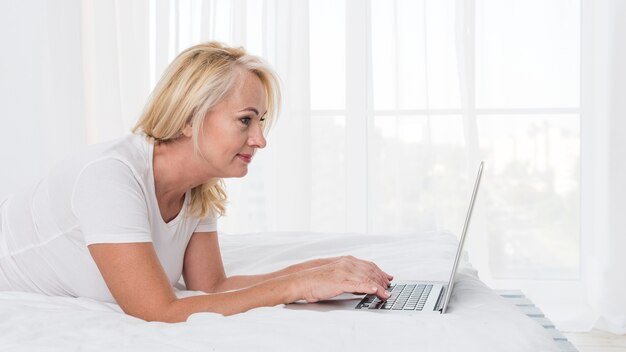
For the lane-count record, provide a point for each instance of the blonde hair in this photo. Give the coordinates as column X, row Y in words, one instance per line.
column 197, row 80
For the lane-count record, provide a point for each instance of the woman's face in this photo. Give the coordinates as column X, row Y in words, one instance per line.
column 232, row 130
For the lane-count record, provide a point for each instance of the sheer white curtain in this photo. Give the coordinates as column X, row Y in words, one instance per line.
column 388, row 105
column 275, row 196
column 604, row 162
column 41, row 106
column 115, row 66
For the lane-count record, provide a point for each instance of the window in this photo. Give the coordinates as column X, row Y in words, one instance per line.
column 405, row 98
column 446, row 86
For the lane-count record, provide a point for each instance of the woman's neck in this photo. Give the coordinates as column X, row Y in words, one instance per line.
column 174, row 175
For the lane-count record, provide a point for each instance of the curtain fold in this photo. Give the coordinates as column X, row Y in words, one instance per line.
column 465, row 41
column 604, row 161
column 279, row 182
column 116, row 70
column 465, row 44
column 41, row 105
column 288, row 53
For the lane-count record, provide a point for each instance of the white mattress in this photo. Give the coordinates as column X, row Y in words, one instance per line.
column 477, row 320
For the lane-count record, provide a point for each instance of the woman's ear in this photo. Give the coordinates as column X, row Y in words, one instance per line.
column 188, row 130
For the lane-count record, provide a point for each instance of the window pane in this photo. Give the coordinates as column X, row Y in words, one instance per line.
column 527, row 53
column 414, row 59
column 443, row 75
column 328, row 54
column 417, row 174
column 328, row 178
column 532, row 195
column 384, row 45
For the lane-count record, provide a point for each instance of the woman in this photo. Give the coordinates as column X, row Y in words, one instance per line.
column 122, row 221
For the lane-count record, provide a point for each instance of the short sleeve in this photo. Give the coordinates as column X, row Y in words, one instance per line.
column 208, row 224
column 110, row 204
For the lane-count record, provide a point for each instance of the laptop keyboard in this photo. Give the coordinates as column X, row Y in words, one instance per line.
column 403, row 297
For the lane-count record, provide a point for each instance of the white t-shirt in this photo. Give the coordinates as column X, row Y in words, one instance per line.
column 103, row 195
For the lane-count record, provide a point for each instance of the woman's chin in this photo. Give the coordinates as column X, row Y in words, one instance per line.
column 241, row 172
column 233, row 172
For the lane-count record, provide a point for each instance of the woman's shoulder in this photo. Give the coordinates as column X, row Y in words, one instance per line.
column 133, row 150
column 130, row 152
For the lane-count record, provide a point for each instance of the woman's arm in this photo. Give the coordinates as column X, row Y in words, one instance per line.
column 203, row 268
column 140, row 286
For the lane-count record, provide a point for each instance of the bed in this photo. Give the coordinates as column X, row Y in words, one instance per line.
column 478, row 319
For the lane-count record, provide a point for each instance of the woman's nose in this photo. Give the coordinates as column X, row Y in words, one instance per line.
column 257, row 139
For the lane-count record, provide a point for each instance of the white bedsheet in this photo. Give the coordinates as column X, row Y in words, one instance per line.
column 478, row 319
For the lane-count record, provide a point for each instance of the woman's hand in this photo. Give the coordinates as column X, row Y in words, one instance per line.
column 309, row 264
column 339, row 275
column 203, row 269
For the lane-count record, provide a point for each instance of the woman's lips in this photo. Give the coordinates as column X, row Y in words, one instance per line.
column 246, row 158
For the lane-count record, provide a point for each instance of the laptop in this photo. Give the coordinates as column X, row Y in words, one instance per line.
column 406, row 296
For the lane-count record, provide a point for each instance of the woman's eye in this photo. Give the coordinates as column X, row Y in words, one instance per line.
column 245, row 120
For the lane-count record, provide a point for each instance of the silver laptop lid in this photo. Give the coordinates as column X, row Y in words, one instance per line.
column 462, row 239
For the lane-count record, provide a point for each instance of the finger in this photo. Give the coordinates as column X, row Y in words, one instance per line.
column 388, row 277
column 382, row 276
column 369, row 288
column 381, row 292
column 383, row 273
column 371, row 270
